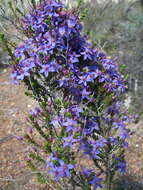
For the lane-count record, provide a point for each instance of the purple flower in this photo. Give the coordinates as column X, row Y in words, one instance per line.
column 28, row 64
column 62, row 31
column 92, row 148
column 65, row 168
column 90, row 127
column 19, row 74
column 20, row 51
column 47, row 45
column 88, row 77
column 75, row 110
column 73, row 57
column 85, row 94
column 57, row 173
column 30, row 130
column 19, row 138
column 35, row 113
column 113, row 140
column 70, row 125
column 69, row 141
column 87, row 53
column 60, row 169
column 63, row 81
column 96, row 181
column 124, row 134
column 87, row 173
column 50, row 67
column 82, row 80
column 55, row 122
column 56, row 4
column 121, row 165
column 71, row 23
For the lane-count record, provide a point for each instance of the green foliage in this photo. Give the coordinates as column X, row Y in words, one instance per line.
column 36, row 157
column 79, row 3
column 1, row 37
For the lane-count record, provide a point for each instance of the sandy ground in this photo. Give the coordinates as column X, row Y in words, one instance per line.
column 13, row 108
column 13, row 174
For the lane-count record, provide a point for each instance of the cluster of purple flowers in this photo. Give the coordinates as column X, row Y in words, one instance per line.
column 89, row 119
column 56, row 45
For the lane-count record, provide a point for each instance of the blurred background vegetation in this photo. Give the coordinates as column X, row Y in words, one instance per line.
column 115, row 26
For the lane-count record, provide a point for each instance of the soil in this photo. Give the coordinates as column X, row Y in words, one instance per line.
column 14, row 175
column 13, row 109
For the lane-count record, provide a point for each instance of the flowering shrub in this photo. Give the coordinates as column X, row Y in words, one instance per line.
column 77, row 134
